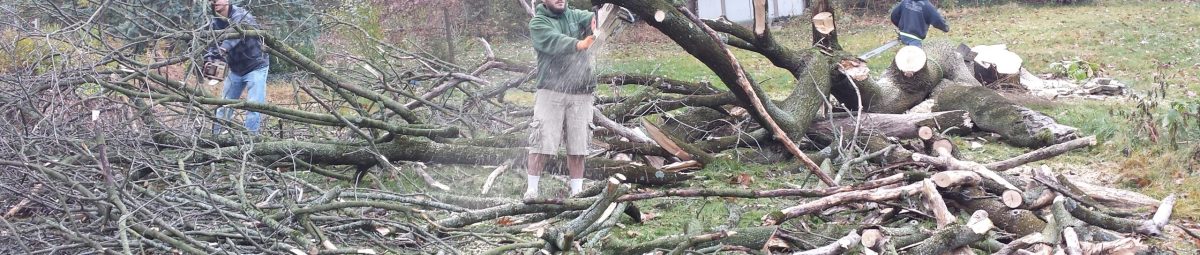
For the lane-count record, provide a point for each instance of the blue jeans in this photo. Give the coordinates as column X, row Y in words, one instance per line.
column 910, row 41
column 256, row 83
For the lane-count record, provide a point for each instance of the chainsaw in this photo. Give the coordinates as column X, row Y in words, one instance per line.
column 881, row 49
column 610, row 20
column 214, row 72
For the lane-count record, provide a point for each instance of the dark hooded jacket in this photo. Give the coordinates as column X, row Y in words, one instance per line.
column 561, row 67
column 244, row 54
column 913, row 17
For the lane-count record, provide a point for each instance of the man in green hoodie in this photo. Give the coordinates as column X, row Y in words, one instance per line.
column 563, row 103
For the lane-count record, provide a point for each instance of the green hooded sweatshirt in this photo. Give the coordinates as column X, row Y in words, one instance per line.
column 560, row 67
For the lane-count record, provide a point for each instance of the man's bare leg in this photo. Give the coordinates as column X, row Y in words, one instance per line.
column 575, row 167
column 534, row 174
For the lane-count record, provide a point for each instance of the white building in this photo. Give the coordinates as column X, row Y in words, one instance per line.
column 741, row 11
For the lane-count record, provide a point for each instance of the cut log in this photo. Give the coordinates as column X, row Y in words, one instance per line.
column 933, row 202
column 947, row 179
column 895, row 92
column 1123, row 246
column 1016, row 221
column 823, row 22
column 991, row 178
column 1116, row 198
column 1034, row 198
column 1012, row 198
column 925, row 133
column 943, row 148
column 1151, row 227
column 842, row 245
column 1020, row 243
column 682, row 166
column 875, row 195
column 957, row 236
column 1071, row 242
column 910, row 59
column 997, row 68
column 1059, row 219
column 872, row 238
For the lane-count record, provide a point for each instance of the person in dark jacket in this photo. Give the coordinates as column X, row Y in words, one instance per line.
column 562, row 108
column 248, row 63
column 912, row 19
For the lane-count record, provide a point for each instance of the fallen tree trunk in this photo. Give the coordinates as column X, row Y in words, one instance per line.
column 947, row 79
column 991, row 112
column 903, row 126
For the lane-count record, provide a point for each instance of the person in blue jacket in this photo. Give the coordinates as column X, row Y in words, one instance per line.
column 248, row 63
column 912, row 19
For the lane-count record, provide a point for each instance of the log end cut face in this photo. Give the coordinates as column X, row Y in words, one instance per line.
column 910, row 59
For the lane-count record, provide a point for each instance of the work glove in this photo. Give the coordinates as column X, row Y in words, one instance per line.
column 586, row 43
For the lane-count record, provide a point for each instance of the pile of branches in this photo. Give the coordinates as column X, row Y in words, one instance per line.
column 103, row 151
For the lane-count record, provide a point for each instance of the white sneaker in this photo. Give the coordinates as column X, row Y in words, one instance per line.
column 529, row 195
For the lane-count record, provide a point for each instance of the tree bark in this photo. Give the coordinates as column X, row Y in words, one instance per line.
column 754, row 238
column 1016, row 221
column 992, row 112
column 903, row 126
column 840, row 246
column 405, row 149
column 956, row 236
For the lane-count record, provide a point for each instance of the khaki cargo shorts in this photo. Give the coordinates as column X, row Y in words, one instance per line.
column 559, row 117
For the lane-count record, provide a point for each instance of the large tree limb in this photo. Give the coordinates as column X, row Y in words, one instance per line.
column 1042, row 153
column 903, row 126
column 685, row 29
column 1151, row 227
column 840, row 246
column 403, row 149
column 873, row 195
column 664, row 84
